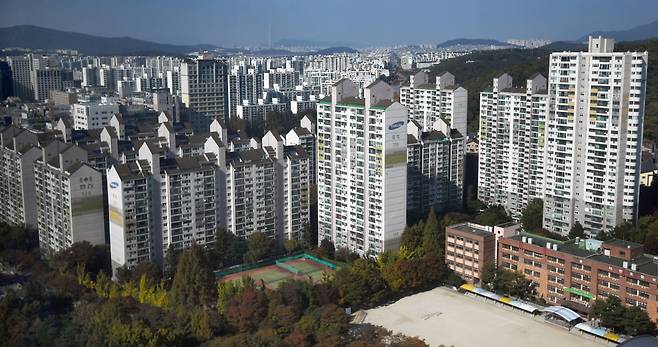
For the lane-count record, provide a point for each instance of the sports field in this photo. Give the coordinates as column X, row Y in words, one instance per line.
column 444, row 316
column 299, row 268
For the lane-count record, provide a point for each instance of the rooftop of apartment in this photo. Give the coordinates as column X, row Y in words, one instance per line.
column 357, row 102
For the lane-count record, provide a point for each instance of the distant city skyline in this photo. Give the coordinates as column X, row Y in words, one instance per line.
column 362, row 23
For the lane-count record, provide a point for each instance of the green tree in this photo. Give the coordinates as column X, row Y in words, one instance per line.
column 412, row 237
column 292, row 246
column 532, row 216
column 361, row 285
column 94, row 258
column 18, row 238
column 326, row 249
column 610, row 312
column 170, row 262
column 489, row 276
column 259, row 247
column 492, row 216
column 194, row 282
column 651, row 238
column 637, row 322
column 225, row 291
column 148, row 268
column 577, row 231
column 421, row 273
column 227, row 249
column 431, row 236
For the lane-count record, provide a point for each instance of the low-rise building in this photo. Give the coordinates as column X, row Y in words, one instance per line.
column 577, row 272
column 92, row 113
column 469, row 249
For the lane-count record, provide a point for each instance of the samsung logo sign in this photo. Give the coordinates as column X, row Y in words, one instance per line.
column 114, row 184
column 395, row 125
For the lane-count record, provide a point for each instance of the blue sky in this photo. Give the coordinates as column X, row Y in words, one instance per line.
column 361, row 22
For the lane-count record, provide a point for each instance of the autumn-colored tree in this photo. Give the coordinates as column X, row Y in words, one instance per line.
column 247, row 309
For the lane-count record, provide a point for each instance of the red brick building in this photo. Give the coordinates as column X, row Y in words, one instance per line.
column 574, row 273
column 469, row 247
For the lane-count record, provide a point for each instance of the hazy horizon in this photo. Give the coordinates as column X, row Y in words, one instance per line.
column 362, row 23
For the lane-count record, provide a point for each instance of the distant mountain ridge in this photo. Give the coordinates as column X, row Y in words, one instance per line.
column 473, row 42
column 335, row 50
column 642, row 32
column 34, row 37
column 307, row 43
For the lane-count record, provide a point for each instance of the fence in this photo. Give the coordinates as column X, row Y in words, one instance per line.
column 267, row 262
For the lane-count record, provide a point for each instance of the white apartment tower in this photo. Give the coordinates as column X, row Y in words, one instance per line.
column 442, row 101
column 156, row 203
column 305, row 137
column 250, row 193
column 593, row 137
column 203, row 84
column 18, row 151
column 362, row 171
column 511, row 159
column 292, row 185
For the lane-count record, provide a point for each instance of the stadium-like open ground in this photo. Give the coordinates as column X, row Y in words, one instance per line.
column 301, row 267
column 443, row 316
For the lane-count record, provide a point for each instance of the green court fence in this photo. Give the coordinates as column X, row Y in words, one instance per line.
column 267, row 262
column 290, row 268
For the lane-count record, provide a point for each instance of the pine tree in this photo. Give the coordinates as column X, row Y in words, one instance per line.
column 431, row 236
column 194, row 282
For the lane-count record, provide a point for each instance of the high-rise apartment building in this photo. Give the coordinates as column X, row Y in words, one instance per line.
column 18, row 151
column 157, row 203
column 243, row 85
column 435, row 168
column 305, row 137
column 292, row 185
column 6, row 81
column 45, row 80
column 20, row 73
column 281, row 79
column 69, row 198
column 173, row 80
column 251, row 193
column 442, row 101
column 362, row 167
column 594, row 137
column 257, row 113
column 204, row 87
column 511, row 169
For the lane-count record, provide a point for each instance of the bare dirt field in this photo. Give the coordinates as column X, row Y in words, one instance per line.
column 443, row 316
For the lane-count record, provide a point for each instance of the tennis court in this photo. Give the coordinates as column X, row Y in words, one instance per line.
column 273, row 273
